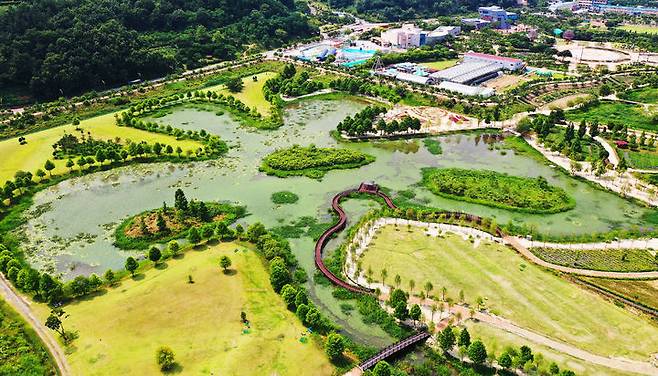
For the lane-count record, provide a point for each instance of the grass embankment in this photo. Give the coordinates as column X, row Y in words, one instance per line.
column 644, row 159
column 498, row 340
column 38, row 149
column 643, row 292
column 643, row 29
column 644, row 95
column 634, row 116
column 497, row 190
column 252, row 92
column 524, row 293
column 120, row 330
column 21, row 350
column 613, row 260
column 311, row 161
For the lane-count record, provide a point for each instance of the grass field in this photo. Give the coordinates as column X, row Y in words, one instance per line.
column 642, row 159
column 441, row 64
column 644, row 95
column 120, row 330
column 618, row 260
column 30, row 157
column 633, row 116
column 252, row 93
column 647, row 29
column 523, row 293
column 645, row 292
column 498, row 340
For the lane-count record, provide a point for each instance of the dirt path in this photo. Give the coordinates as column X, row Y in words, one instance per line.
column 23, row 307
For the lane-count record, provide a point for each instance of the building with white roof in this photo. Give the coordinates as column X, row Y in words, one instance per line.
column 405, row 37
column 466, row 89
column 506, row 63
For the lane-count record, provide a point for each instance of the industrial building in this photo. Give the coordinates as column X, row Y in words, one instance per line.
column 634, row 11
column 506, row 63
column 590, row 3
column 477, row 23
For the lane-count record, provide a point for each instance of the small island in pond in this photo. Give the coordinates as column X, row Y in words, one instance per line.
column 312, row 161
column 531, row 195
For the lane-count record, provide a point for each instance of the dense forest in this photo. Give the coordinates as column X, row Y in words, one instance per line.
column 396, row 10
column 65, row 47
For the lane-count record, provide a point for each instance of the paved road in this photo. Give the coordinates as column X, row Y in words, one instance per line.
column 23, row 307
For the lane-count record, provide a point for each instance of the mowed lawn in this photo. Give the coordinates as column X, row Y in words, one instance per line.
column 644, row 95
column 634, row 116
column 512, row 288
column 33, row 155
column 441, row 64
column 648, row 29
column 120, row 330
column 497, row 341
column 252, row 93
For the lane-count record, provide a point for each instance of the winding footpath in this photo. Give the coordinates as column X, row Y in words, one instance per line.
column 520, row 245
column 23, row 308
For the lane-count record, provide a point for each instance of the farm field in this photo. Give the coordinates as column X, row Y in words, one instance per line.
column 644, row 95
column 38, row 149
column 523, row 293
column 647, row 29
column 441, row 64
column 119, row 331
column 498, row 340
column 618, row 260
column 611, row 112
column 252, row 93
column 645, row 292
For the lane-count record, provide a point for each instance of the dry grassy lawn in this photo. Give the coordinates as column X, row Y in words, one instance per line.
column 121, row 329
column 30, row 157
column 512, row 288
column 252, row 93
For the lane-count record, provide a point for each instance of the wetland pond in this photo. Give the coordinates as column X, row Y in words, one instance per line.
column 71, row 225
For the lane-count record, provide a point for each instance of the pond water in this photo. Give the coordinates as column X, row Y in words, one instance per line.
column 70, row 230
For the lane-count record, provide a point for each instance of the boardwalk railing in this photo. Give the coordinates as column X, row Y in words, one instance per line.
column 394, row 349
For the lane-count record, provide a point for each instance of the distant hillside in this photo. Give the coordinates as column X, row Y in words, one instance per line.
column 396, row 10
column 71, row 46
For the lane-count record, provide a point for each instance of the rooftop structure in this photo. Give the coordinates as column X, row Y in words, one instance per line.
column 626, row 10
column 466, row 89
column 590, row 3
column 406, row 36
column 507, row 63
column 478, row 23
column 442, row 32
column 497, row 14
column 468, row 72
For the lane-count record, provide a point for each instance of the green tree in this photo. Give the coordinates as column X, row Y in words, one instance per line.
column 279, row 274
column 41, row 174
column 70, row 164
column 174, row 247
column 155, row 255
column 414, row 312
column 193, row 236
column 180, row 201
column 334, row 346
column 49, row 166
column 447, row 339
column 164, row 356
column 505, row 360
column 234, row 84
column 54, row 322
column 428, row 287
column 477, row 352
column 131, row 265
column 161, row 223
column 401, row 312
column 109, row 277
column 464, row 338
column 553, row 368
column 225, row 263
column 382, row 368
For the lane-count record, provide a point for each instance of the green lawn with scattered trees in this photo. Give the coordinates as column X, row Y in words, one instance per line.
column 498, row 190
column 312, row 161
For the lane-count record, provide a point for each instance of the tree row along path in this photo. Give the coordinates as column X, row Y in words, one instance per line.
column 23, row 308
column 495, row 321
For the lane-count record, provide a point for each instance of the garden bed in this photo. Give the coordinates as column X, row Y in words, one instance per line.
column 609, row 260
